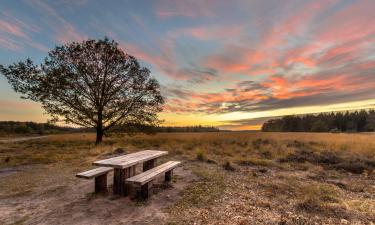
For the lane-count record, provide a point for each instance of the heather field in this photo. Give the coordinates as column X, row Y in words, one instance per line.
column 225, row 178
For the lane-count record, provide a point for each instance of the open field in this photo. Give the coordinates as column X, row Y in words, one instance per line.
column 226, row 178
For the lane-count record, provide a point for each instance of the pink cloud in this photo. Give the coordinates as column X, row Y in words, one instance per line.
column 69, row 34
column 9, row 44
column 354, row 22
column 12, row 28
column 164, row 62
column 208, row 33
column 239, row 59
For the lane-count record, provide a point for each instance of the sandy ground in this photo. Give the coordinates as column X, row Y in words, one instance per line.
column 75, row 204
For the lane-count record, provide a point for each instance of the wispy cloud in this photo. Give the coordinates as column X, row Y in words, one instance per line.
column 64, row 31
column 11, row 28
column 15, row 33
column 194, row 8
column 9, row 44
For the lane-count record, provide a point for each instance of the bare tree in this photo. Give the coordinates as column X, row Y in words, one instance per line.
column 90, row 84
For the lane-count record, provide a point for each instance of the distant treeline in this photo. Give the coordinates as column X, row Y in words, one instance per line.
column 187, row 129
column 164, row 129
column 353, row 121
column 15, row 127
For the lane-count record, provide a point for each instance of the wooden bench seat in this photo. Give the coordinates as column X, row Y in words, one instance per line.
column 100, row 175
column 143, row 180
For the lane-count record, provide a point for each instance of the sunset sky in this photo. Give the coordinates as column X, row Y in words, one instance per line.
column 231, row 64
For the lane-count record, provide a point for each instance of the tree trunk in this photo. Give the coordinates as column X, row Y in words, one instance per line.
column 99, row 129
column 99, row 136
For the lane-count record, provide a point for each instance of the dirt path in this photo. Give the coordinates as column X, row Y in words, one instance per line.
column 76, row 205
column 20, row 139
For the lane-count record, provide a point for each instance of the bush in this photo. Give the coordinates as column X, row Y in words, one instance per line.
column 201, row 155
column 228, row 166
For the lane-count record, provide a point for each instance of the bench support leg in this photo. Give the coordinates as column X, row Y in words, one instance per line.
column 101, row 184
column 149, row 164
column 119, row 177
column 146, row 190
column 168, row 176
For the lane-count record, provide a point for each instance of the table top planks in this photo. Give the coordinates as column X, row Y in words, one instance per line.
column 132, row 159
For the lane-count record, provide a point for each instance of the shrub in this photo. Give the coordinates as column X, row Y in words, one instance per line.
column 256, row 162
column 228, row 166
column 201, row 155
column 310, row 205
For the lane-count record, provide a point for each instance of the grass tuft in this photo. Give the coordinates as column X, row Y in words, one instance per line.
column 201, row 155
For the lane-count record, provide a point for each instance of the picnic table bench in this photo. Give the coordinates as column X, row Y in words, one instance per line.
column 124, row 167
column 143, row 180
column 100, row 175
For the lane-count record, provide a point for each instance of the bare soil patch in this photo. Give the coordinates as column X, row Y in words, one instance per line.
column 76, row 204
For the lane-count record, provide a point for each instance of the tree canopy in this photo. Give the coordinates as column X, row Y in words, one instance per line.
column 91, row 84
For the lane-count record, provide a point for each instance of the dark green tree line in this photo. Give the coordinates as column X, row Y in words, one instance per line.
column 354, row 121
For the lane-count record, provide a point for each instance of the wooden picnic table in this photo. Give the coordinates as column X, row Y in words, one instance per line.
column 125, row 167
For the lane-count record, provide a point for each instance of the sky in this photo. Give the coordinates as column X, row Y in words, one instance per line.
column 230, row 64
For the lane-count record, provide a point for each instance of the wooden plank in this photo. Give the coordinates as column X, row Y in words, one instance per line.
column 124, row 158
column 142, row 158
column 145, row 173
column 94, row 172
column 121, row 158
column 148, row 175
column 155, row 173
column 130, row 159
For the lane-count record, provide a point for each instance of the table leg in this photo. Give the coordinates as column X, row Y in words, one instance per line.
column 149, row 164
column 130, row 173
column 119, row 177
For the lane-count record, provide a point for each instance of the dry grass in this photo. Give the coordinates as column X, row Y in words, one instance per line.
column 287, row 178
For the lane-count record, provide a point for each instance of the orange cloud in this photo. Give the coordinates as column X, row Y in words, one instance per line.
column 233, row 59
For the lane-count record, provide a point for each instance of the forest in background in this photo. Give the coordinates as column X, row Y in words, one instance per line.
column 32, row 128
column 348, row 121
column 26, row 128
